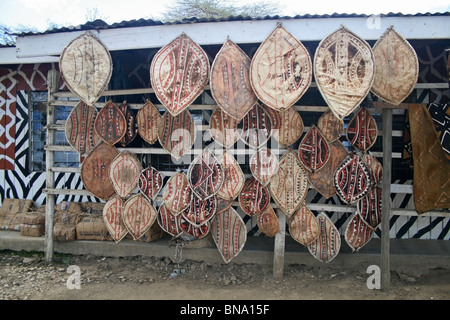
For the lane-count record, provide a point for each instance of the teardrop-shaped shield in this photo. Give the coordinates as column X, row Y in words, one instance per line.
column 131, row 125
column 179, row 73
column 357, row 233
column 177, row 193
column 327, row 245
column 303, row 226
column 234, row 178
column 254, row 197
column 191, row 231
column 223, row 128
column 205, row 175
column 281, row 69
column 362, row 130
column 375, row 167
column 138, row 215
column 313, row 150
column 255, row 128
column 110, row 124
column 263, row 165
column 331, row 126
column 200, row 211
column 150, row 183
column 290, row 128
column 230, row 82
column 169, row 222
column 112, row 216
column 148, row 119
column 369, row 208
column 124, row 173
column 267, row 222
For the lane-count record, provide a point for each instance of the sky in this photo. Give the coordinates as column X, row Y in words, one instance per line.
column 39, row 13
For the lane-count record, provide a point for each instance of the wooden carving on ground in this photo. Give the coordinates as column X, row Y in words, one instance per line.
column 112, row 216
column 223, row 128
column 313, row 150
column 267, row 222
column 138, row 215
column 168, row 221
column 131, row 125
column 344, row 71
column 205, row 175
column 86, row 67
column 369, row 208
column 254, row 197
column 150, row 183
column 263, row 165
column 124, row 173
column 357, row 233
column 327, row 245
column 362, row 130
column 396, row 67
column 290, row 128
column 234, row 178
column 177, row 193
column 110, row 124
column 148, row 119
column 230, row 82
column 255, row 128
column 95, row 171
column 303, row 226
column 200, row 211
column 179, row 73
column 80, row 132
column 331, row 126
column 281, row 70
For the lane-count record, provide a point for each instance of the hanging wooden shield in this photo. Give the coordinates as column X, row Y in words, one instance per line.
column 80, row 132
column 369, row 208
column 169, row 222
column 110, row 124
column 179, row 73
column 95, row 171
column 177, row 134
column 200, row 211
column 357, row 233
column 375, row 167
column 352, row 179
column 327, row 245
column 303, row 226
column 205, row 175
column 344, row 70
column 263, row 165
column 396, row 67
column 290, row 128
column 289, row 185
column 254, row 197
column 229, row 233
column 281, row 69
column 313, row 150
column 138, row 215
column 255, row 128
column 331, row 126
column 223, row 128
column 148, row 119
column 362, row 130
column 234, row 178
column 131, row 128
column 223, row 204
column 124, row 173
column 230, row 82
column 86, row 67
column 322, row 179
column 193, row 232
column 112, row 216
column 177, row 193
column 150, row 183
column 267, row 222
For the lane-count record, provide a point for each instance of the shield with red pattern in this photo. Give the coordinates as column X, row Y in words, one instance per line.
column 110, row 124
column 138, row 215
column 112, row 216
column 313, row 150
column 205, row 175
column 150, row 183
column 362, row 130
column 254, row 197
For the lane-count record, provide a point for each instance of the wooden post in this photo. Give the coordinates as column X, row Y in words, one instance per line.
column 53, row 82
column 278, row 252
column 386, row 196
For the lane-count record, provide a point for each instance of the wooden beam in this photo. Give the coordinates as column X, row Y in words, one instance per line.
column 278, row 250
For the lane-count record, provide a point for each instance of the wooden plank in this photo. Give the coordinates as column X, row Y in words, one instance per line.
column 279, row 246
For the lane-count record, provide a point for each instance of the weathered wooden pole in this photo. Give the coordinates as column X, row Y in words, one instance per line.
column 278, row 252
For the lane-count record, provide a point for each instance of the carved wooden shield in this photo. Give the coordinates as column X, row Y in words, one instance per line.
column 267, row 222
column 327, row 245
column 177, row 193
column 375, row 167
column 112, row 216
column 362, row 130
column 396, row 67
column 290, row 128
column 255, row 128
column 86, row 67
column 230, row 82
column 95, row 171
column 313, row 150
column 229, row 233
column 289, row 185
column 176, row 134
column 344, row 70
column 357, row 233
column 169, row 222
column 148, row 119
column 124, row 173
column 234, row 178
column 138, row 215
column 322, row 180
column 205, row 175
column 191, row 231
column 281, row 69
column 80, row 132
column 131, row 127
column 223, row 128
column 352, row 179
column 254, row 197
column 179, row 73
column 110, row 124
column 150, row 183
column 331, row 126
column 263, row 165
column 303, row 226
column 369, row 208
column 200, row 211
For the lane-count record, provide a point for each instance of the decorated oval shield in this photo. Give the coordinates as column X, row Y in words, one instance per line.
column 200, row 211
column 275, row 120
column 223, row 128
column 110, row 124
column 255, row 128
column 168, row 221
column 124, row 173
column 229, row 233
column 131, row 125
column 205, row 175
column 263, row 165
column 176, row 134
column 375, row 168
column 303, row 226
column 289, row 185
column 331, row 126
column 80, row 132
column 230, row 82
column 396, row 67
column 327, row 245
column 191, row 231
column 112, row 216
column 357, row 233
column 290, row 128
column 254, row 197
column 179, row 73
column 344, row 70
column 148, row 119
column 362, row 130
column 313, row 150
column 267, row 222
column 177, row 193
column 223, row 204
column 138, row 215
column 369, row 208
column 234, row 178
column 281, row 69
column 352, row 180
column 95, row 171
column 86, row 67
column 150, row 183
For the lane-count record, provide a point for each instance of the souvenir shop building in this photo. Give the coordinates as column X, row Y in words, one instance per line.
column 38, row 163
